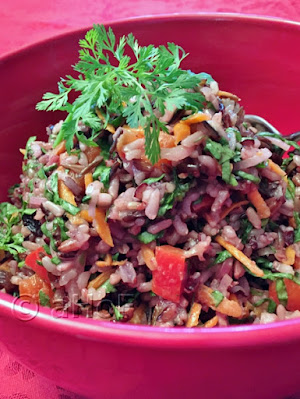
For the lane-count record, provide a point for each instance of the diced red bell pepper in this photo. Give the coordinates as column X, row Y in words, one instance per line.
column 293, row 292
column 31, row 261
column 204, row 205
column 30, row 289
column 170, row 273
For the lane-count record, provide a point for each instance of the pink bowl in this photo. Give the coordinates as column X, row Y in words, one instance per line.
column 256, row 58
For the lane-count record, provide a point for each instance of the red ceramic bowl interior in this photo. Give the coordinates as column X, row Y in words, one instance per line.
column 255, row 58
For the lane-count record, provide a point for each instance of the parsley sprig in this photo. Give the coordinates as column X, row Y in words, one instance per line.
column 111, row 81
column 11, row 216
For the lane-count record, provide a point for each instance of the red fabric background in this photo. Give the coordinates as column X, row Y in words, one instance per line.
column 26, row 21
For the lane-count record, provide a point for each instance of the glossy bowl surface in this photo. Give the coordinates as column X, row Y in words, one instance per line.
column 256, row 58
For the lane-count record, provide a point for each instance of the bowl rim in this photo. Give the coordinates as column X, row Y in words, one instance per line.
column 242, row 336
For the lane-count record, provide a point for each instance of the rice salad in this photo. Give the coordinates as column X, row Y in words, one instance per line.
column 153, row 202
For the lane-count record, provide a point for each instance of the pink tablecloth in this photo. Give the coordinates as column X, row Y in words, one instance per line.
column 26, row 21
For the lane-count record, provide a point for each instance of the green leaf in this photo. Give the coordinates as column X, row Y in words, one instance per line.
column 222, row 256
column 118, row 315
column 49, row 235
column 246, row 228
column 44, row 299
column 109, row 78
column 262, row 165
column 297, row 230
column 223, row 154
column 83, row 139
column 152, row 180
column 41, row 174
column 72, row 209
column 272, row 306
column 105, row 147
column 290, row 191
column 50, row 168
column 47, row 249
column 226, row 171
column 28, row 146
column 108, row 287
column 146, row 237
column 86, row 198
column 28, row 211
column 247, row 176
column 115, row 256
column 281, row 292
column 217, row 297
column 178, row 194
column 103, row 172
column 264, row 263
column 55, row 260
column 59, row 222
column 54, row 187
column 214, row 148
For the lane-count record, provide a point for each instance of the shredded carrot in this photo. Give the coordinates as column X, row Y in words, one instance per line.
column 88, row 179
column 290, row 255
column 99, row 280
column 85, row 215
column 292, row 222
column 240, row 256
column 109, row 127
column 101, row 224
column 75, row 219
column 102, row 227
column 149, row 257
column 232, row 207
column 257, row 200
column 212, row 322
column 101, row 264
column 227, row 94
column 277, row 169
column 228, row 307
column 108, row 262
column 60, row 148
column 166, row 140
column 22, row 151
column 297, row 263
column 65, row 193
column 128, row 136
column 196, row 118
column 194, row 314
column 181, row 131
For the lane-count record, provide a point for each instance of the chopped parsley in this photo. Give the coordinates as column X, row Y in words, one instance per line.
column 146, row 237
column 44, row 299
column 223, row 154
column 217, row 297
column 103, row 172
column 281, row 292
column 152, row 180
column 222, row 256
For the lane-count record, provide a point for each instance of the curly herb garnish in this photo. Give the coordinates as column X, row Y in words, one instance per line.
column 109, row 80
